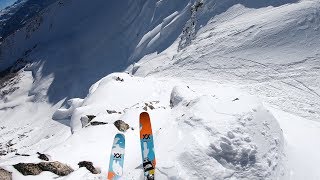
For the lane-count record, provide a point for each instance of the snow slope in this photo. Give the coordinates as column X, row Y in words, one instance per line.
column 203, row 58
column 272, row 52
column 198, row 136
column 302, row 147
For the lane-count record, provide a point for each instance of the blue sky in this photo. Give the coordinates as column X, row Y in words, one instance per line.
column 5, row 3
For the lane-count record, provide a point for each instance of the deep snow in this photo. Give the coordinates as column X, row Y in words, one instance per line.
column 205, row 59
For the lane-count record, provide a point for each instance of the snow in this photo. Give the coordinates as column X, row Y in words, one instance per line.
column 303, row 147
column 231, row 88
column 199, row 128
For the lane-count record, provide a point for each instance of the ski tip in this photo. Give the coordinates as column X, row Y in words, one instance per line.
column 120, row 135
column 144, row 115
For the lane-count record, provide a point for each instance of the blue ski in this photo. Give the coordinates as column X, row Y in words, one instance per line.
column 117, row 158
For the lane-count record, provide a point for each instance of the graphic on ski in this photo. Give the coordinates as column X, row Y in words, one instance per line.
column 116, row 158
column 147, row 146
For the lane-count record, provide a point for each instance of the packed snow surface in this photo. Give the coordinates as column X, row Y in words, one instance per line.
column 231, row 87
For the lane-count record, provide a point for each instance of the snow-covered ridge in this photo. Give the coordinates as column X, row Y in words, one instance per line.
column 197, row 135
column 17, row 15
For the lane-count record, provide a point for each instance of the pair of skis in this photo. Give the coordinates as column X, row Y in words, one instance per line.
column 147, row 151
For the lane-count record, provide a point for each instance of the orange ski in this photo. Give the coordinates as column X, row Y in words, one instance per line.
column 147, row 146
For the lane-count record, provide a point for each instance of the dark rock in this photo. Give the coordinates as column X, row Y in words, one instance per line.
column 236, row 99
column 89, row 166
column 5, row 175
column 111, row 111
column 43, row 156
column 121, row 125
column 28, row 168
column 56, row 168
column 91, row 117
column 9, row 143
column 119, row 79
column 151, row 107
column 85, row 120
column 18, row 154
column 96, row 123
column 145, row 108
column 35, row 169
column 3, row 152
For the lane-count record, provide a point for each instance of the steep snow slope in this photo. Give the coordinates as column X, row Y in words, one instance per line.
column 96, row 39
column 272, row 52
column 17, row 15
column 266, row 48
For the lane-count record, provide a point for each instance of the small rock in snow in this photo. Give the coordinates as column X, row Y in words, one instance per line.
column 89, row 166
column 145, row 108
column 111, row 111
column 91, row 117
column 85, row 120
column 97, row 123
column 5, row 175
column 119, row 79
column 43, row 156
column 236, row 99
column 121, row 125
column 150, row 106
column 18, row 154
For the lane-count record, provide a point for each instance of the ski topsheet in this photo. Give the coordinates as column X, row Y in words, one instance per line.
column 147, row 147
column 117, row 158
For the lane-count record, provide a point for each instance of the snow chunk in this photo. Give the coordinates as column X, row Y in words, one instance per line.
column 180, row 94
column 66, row 113
column 213, row 139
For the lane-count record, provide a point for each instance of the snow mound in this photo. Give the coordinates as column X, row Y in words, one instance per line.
column 214, row 140
column 200, row 136
column 180, row 94
column 66, row 113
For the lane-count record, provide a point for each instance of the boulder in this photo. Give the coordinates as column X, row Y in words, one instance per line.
column 5, row 175
column 121, row 125
column 56, row 168
column 28, row 168
column 35, row 169
column 89, row 166
column 85, row 120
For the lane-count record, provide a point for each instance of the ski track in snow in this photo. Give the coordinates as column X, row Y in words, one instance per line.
column 294, row 87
